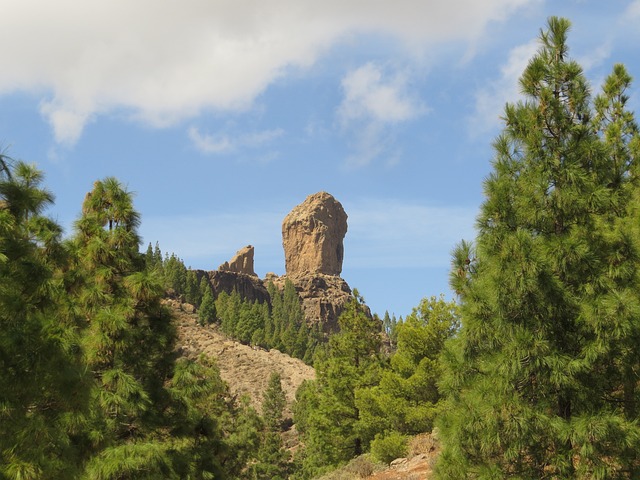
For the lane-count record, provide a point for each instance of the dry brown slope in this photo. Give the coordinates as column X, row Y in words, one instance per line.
column 245, row 369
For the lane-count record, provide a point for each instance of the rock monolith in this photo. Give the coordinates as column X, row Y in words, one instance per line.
column 312, row 236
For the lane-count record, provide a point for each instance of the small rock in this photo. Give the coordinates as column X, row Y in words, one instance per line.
column 398, row 462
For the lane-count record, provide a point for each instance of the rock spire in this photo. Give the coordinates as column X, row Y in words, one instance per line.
column 312, row 236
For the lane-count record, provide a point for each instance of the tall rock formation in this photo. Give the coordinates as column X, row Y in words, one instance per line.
column 312, row 238
column 238, row 275
column 242, row 262
column 312, row 235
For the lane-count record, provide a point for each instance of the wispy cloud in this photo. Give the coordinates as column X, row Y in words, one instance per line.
column 369, row 96
column 165, row 61
column 595, row 57
column 633, row 10
column 388, row 233
column 224, row 143
column 373, row 102
column 491, row 99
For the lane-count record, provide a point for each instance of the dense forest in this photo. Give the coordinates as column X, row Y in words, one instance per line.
column 532, row 373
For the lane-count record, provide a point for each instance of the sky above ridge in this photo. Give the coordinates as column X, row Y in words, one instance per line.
column 221, row 116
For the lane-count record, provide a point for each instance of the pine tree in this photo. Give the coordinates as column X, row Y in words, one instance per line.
column 204, row 286
column 207, row 310
column 272, row 460
column 128, row 335
column 148, row 257
column 329, row 422
column 158, row 260
column 273, row 403
column 542, row 379
column 192, row 288
column 175, row 274
column 44, row 393
column 407, row 399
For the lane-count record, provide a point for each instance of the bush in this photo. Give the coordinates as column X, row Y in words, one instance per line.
column 387, row 448
column 423, row 444
column 358, row 468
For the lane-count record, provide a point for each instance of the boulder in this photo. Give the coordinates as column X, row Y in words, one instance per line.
column 242, row 262
column 312, row 236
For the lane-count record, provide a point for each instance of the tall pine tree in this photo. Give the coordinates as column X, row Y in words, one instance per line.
column 326, row 411
column 44, row 392
column 542, row 378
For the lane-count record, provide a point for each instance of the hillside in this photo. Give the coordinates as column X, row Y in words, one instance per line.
column 246, row 369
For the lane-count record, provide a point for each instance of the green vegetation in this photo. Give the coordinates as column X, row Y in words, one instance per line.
column 44, row 393
column 533, row 374
column 282, row 326
column 406, row 400
column 542, row 379
column 363, row 400
column 273, row 460
column 91, row 384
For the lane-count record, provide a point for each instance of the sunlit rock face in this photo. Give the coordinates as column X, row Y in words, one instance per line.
column 242, row 262
column 312, row 236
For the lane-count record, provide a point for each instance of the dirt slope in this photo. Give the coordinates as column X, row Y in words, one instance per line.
column 246, row 369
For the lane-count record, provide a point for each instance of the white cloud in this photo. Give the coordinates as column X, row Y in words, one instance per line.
column 595, row 57
column 224, row 143
column 67, row 123
column 368, row 96
column 491, row 99
column 373, row 102
column 165, row 61
column 633, row 10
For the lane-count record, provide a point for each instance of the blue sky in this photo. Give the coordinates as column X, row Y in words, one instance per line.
column 223, row 115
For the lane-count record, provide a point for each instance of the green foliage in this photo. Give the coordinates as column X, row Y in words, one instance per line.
column 389, row 324
column 326, row 411
column 273, row 403
column 542, row 380
column 282, row 327
column 175, row 274
column 272, row 460
column 207, row 310
column 386, row 448
column 44, row 394
column 407, row 399
column 92, row 385
column 192, row 288
column 243, row 426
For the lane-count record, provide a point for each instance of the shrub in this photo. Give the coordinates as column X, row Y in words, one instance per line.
column 387, row 448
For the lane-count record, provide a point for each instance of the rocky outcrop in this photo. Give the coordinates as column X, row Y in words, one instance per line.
column 323, row 297
column 312, row 237
column 250, row 287
column 242, row 262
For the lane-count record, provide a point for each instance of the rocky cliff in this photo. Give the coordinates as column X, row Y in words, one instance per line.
column 312, row 238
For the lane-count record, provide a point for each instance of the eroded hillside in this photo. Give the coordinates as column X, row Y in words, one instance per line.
column 246, row 369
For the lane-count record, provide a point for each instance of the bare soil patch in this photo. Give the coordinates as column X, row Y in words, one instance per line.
column 246, row 369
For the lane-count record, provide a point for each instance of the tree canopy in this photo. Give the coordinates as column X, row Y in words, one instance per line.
column 542, row 379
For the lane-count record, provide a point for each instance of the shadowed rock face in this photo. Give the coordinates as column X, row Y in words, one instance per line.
column 250, row 287
column 312, row 236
